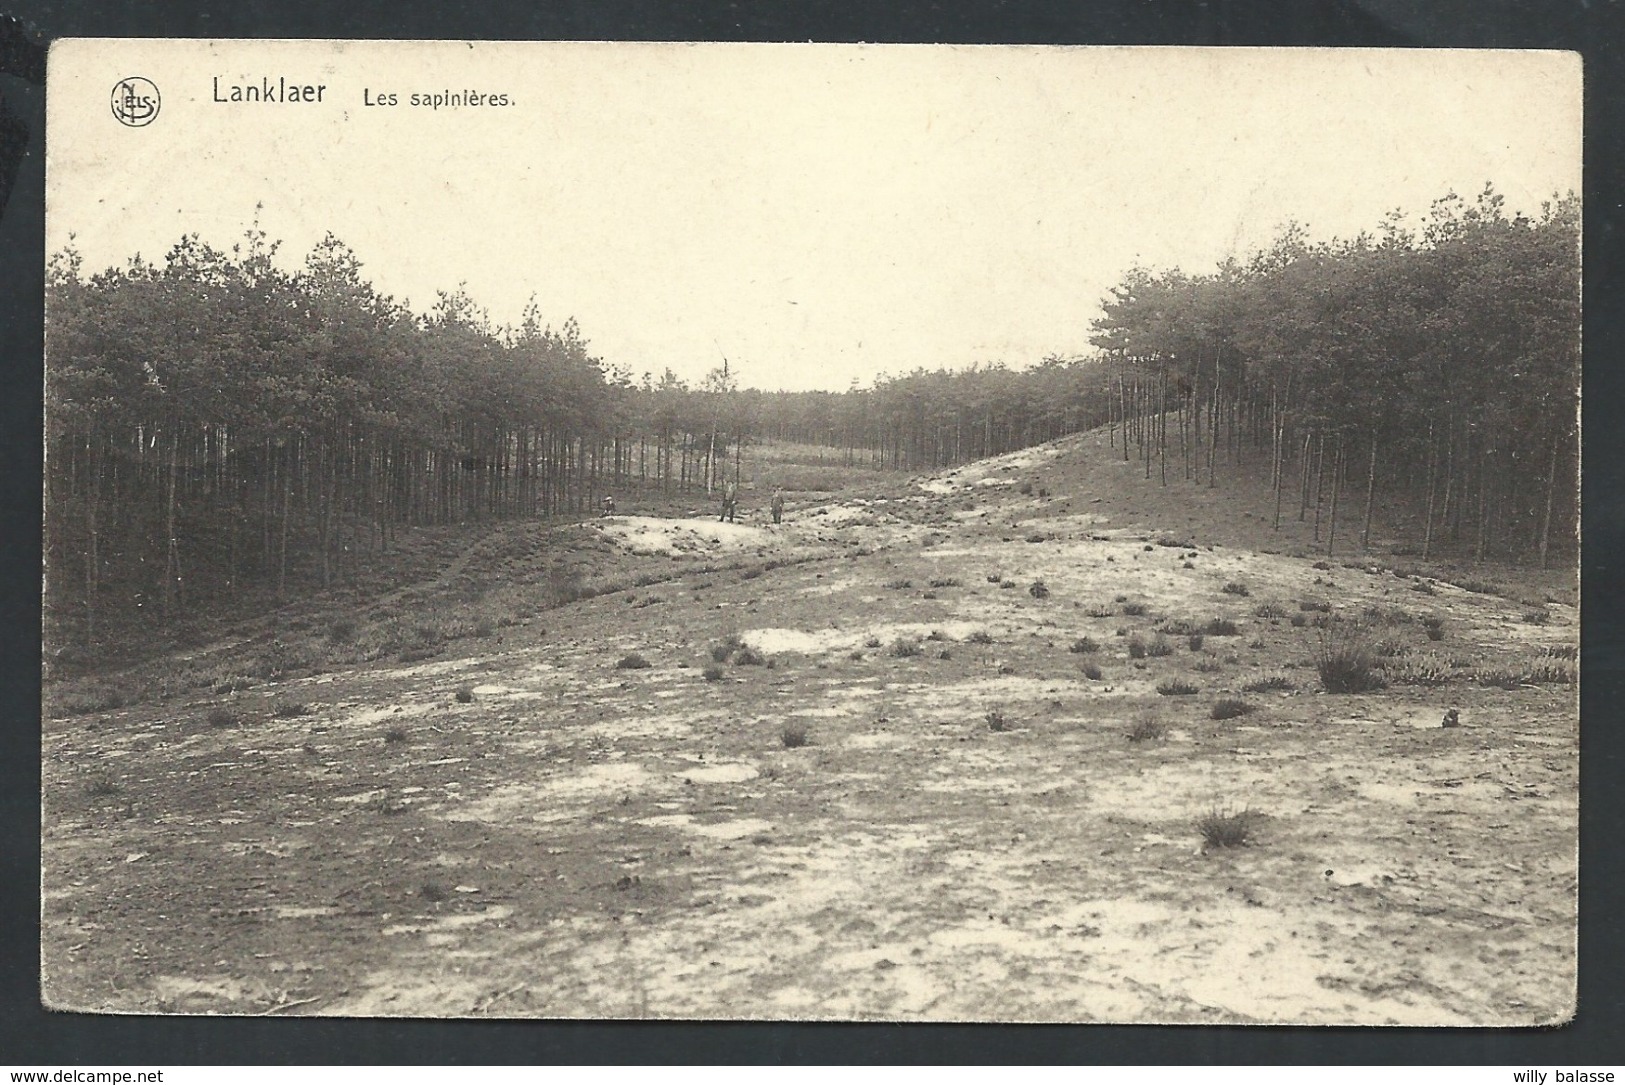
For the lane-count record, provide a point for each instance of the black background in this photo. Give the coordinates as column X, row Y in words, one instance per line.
column 30, row 1036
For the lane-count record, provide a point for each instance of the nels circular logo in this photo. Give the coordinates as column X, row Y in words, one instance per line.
column 135, row 101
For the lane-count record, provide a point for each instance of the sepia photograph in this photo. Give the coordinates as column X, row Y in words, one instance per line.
column 811, row 532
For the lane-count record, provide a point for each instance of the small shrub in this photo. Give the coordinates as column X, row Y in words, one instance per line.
column 945, row 654
column 794, row 736
column 905, row 648
column 1136, row 648
column 342, row 631
column 287, row 710
column 1037, row 537
column 1563, row 651
column 945, row 582
column 1179, row 627
column 899, row 584
column 1147, row 729
column 981, row 636
column 721, row 653
column 1271, row 684
column 1026, row 488
column 1177, row 687
column 465, row 694
column 396, row 736
column 1536, row 617
column 1084, row 646
column 1229, row 708
column 632, row 661
column 1299, row 621
column 1043, row 492
column 1195, row 642
column 1091, row 672
column 486, row 629
column 1007, row 668
column 1433, row 626
column 433, row 892
column 1346, row 660
column 994, row 578
column 1322, row 565
column 1221, row 627
column 1160, row 646
column 223, row 717
column 1134, row 610
column 101, row 786
column 1206, row 666
column 1479, row 587
column 1099, row 612
column 996, row 721
column 1007, row 584
column 749, row 657
column 936, row 635
column 1038, row 590
column 872, row 642
column 1314, row 605
column 1268, row 610
column 713, row 673
column 1221, row 829
column 1234, row 588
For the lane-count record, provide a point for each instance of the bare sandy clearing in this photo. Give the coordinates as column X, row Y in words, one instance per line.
column 585, row 840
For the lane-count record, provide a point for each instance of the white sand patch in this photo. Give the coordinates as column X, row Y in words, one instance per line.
column 720, row 830
column 425, row 670
column 665, row 821
column 369, row 716
column 559, row 798
column 649, row 535
column 729, row 773
column 774, row 641
column 732, row 830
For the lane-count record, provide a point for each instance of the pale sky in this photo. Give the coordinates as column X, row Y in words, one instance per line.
column 816, row 214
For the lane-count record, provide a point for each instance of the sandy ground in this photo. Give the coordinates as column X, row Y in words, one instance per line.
column 581, row 839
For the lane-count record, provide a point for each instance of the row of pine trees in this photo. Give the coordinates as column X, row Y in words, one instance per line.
column 217, row 424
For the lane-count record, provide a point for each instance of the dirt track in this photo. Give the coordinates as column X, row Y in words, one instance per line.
column 583, row 840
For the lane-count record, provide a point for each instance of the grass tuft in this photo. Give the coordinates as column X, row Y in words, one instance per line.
column 1346, row 659
column 1229, row 708
column 1177, row 687
column 1146, row 729
column 465, row 694
column 1226, row 829
column 794, row 736
column 1038, row 590
column 632, row 661
column 1275, row 683
column 1233, row 588
column 906, row 648
column 712, row 673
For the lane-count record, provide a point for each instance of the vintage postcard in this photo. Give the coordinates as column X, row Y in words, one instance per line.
column 811, row 532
